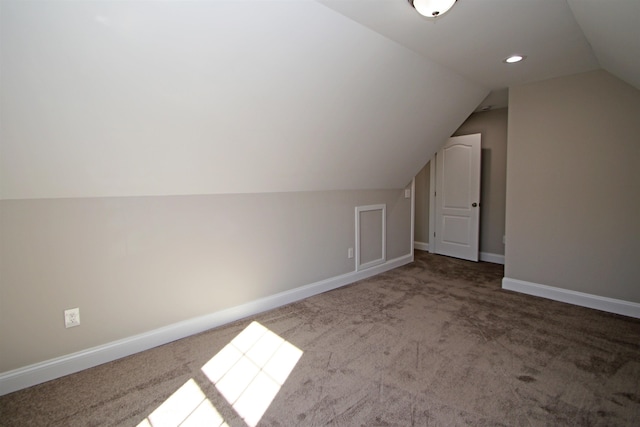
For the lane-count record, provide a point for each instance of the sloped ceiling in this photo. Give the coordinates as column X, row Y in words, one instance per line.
column 477, row 35
column 126, row 98
column 109, row 98
column 613, row 30
column 559, row 37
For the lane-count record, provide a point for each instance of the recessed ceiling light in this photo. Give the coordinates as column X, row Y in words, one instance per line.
column 514, row 58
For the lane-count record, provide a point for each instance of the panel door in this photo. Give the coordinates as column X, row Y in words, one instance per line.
column 458, row 197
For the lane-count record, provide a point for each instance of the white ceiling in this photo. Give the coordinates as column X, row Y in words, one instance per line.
column 613, row 30
column 128, row 98
column 476, row 35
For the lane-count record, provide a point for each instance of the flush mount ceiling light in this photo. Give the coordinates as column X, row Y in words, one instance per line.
column 432, row 8
column 514, row 58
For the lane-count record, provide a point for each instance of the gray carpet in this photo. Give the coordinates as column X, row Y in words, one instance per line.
column 434, row 343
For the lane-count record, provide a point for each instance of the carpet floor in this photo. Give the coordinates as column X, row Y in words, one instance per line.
column 434, row 343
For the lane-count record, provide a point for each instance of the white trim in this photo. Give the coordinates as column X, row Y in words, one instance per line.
column 413, row 214
column 494, row 258
column 55, row 368
column 383, row 208
column 432, row 204
column 422, row 246
column 611, row 305
column 484, row 256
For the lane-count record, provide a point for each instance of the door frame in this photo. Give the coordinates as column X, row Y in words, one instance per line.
column 432, row 203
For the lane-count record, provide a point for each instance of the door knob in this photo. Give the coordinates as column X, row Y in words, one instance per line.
column 474, row 204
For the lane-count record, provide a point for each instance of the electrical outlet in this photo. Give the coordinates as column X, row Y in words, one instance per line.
column 71, row 317
column 350, row 253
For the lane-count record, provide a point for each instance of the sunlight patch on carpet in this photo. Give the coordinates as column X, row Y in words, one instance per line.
column 251, row 369
column 248, row 372
column 188, row 406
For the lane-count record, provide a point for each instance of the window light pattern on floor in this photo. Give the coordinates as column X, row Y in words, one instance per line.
column 251, row 369
column 248, row 372
column 188, row 406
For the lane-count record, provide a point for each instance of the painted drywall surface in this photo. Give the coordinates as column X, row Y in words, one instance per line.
column 573, row 185
column 187, row 100
column 492, row 125
column 114, row 99
column 421, row 233
column 135, row 264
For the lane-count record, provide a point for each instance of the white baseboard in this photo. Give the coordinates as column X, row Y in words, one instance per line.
column 610, row 305
column 484, row 256
column 55, row 368
column 494, row 258
column 422, row 246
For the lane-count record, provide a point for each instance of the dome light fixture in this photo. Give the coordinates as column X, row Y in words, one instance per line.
column 514, row 58
column 432, row 8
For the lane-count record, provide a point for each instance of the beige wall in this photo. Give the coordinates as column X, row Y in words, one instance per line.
column 147, row 184
column 573, row 192
column 134, row 264
column 492, row 125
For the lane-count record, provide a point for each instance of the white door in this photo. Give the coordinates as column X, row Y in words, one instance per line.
column 457, row 197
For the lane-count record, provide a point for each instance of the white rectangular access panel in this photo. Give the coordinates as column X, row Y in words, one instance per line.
column 370, row 235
